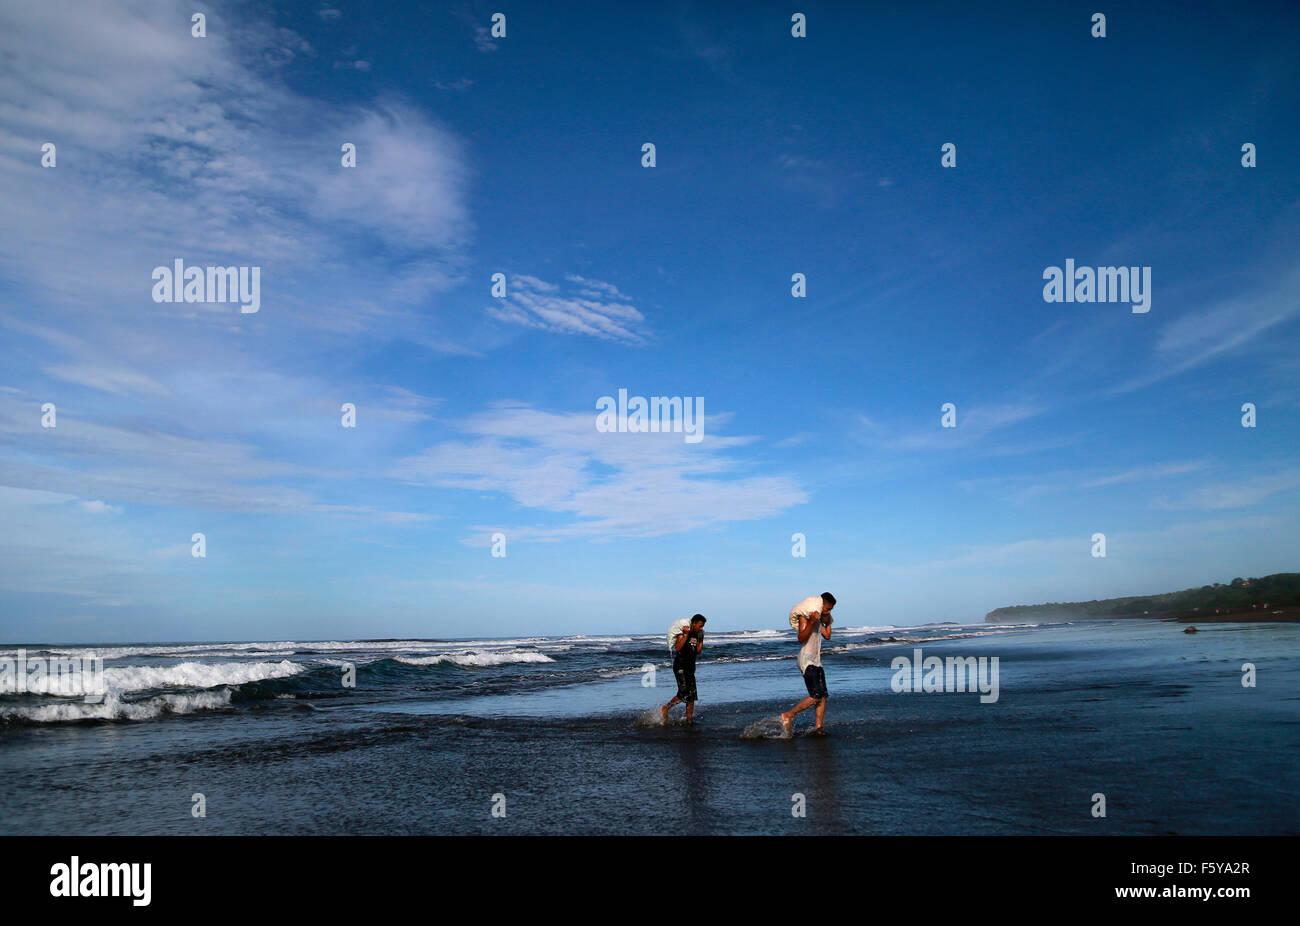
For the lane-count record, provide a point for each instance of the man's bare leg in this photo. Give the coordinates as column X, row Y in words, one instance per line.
column 690, row 711
column 788, row 717
column 821, row 712
column 663, row 711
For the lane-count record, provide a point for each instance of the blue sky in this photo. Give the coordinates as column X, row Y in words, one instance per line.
column 475, row 415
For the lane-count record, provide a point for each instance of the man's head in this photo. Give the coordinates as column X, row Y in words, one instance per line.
column 697, row 622
column 828, row 602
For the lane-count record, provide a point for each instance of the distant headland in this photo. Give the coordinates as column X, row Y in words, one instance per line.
column 1270, row 598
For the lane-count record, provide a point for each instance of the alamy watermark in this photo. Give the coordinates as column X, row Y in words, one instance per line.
column 61, row 676
column 956, row 673
column 1099, row 284
column 655, row 415
column 76, row 878
column 179, row 283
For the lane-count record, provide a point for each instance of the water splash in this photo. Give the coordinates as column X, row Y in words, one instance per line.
column 769, row 728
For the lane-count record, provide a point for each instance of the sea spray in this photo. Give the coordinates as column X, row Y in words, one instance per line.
column 769, row 728
column 647, row 719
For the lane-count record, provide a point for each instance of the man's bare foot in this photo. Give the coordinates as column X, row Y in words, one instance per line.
column 785, row 724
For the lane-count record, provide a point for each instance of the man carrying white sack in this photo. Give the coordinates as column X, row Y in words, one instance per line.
column 686, row 640
column 812, row 618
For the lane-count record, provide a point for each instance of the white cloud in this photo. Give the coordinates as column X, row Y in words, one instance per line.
column 716, row 54
column 90, row 459
column 595, row 287
column 71, row 553
column 976, row 425
column 171, row 146
column 597, row 309
column 1022, row 488
column 1143, row 473
column 105, row 376
column 608, row 484
column 1196, row 338
column 1243, row 492
column 175, row 146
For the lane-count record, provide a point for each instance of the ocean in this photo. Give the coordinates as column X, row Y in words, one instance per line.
column 1097, row 728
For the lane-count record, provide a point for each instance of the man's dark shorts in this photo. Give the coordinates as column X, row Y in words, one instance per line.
column 814, row 680
column 685, row 683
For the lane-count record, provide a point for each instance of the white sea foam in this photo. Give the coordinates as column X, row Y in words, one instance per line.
column 903, row 641
column 197, row 674
column 125, row 679
column 621, row 671
column 114, row 708
column 771, row 657
column 321, row 647
column 477, row 659
column 169, row 651
column 339, row 662
column 281, row 648
column 119, row 682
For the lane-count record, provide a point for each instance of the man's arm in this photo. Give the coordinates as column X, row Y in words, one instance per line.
column 679, row 641
column 826, row 631
column 806, row 625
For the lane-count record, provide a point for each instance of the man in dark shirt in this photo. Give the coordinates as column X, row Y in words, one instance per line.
column 686, row 646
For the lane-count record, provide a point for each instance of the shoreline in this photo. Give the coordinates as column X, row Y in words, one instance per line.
column 1287, row 614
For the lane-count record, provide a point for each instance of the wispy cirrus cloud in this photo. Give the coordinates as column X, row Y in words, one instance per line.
column 58, row 546
column 170, row 145
column 162, row 464
column 976, row 426
column 1021, row 488
column 589, row 307
column 608, row 484
column 701, row 44
column 1200, row 337
column 1144, row 473
column 483, row 40
column 1172, row 477
column 478, row 20
column 1247, row 490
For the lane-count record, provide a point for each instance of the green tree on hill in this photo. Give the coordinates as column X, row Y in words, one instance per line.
column 1278, row 590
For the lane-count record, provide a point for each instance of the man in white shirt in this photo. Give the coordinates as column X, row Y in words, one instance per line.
column 812, row 618
column 687, row 644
